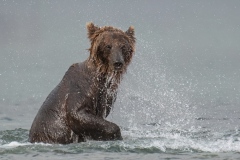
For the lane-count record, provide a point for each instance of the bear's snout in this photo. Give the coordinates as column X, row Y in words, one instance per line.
column 118, row 60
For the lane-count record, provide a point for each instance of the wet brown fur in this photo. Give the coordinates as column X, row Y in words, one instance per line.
column 76, row 109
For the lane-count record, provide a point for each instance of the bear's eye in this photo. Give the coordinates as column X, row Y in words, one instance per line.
column 124, row 48
column 108, row 46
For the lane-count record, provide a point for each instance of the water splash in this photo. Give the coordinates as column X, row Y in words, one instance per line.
column 151, row 94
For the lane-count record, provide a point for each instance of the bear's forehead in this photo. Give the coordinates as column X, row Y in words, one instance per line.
column 114, row 36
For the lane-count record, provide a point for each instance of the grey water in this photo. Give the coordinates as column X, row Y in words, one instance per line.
column 178, row 100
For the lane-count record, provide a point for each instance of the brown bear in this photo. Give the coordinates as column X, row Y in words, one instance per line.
column 76, row 109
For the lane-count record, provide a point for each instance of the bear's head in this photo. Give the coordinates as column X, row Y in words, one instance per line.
column 111, row 48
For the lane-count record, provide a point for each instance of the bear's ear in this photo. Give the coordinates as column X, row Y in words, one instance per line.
column 91, row 29
column 130, row 32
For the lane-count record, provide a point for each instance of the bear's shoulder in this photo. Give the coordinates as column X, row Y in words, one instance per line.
column 77, row 66
column 77, row 71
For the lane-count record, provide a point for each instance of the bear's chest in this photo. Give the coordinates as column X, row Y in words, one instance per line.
column 104, row 99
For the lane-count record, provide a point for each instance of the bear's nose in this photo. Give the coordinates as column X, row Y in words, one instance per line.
column 118, row 65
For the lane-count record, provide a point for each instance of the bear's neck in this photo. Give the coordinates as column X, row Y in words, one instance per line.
column 107, row 92
column 103, row 73
column 105, row 84
column 108, row 80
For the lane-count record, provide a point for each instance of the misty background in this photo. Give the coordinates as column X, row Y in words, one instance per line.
column 186, row 48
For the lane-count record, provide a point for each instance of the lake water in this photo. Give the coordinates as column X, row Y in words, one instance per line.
column 178, row 100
